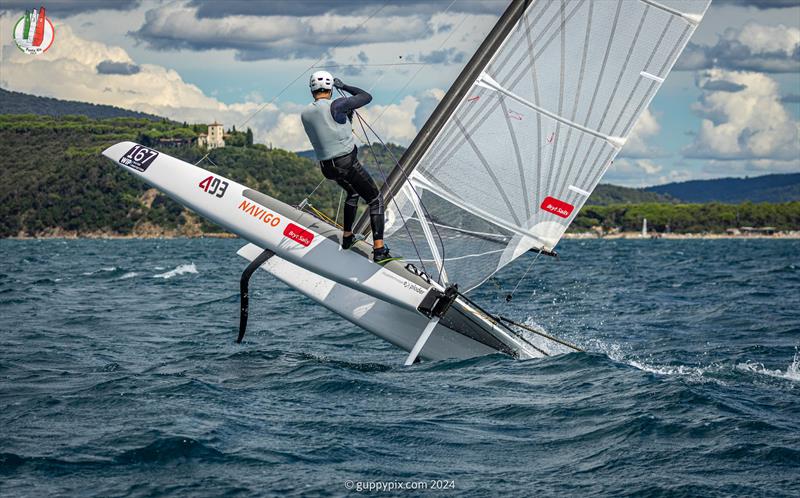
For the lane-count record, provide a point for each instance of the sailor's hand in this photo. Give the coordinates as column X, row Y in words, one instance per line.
column 337, row 83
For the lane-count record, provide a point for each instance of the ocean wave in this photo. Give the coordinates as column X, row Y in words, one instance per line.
column 178, row 270
column 170, row 448
column 620, row 354
column 128, row 275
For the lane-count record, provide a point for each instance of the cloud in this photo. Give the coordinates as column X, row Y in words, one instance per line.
column 443, row 56
column 427, row 102
column 643, row 172
column 755, row 167
column 393, row 122
column 111, row 67
column 78, row 69
column 67, row 8
column 636, row 145
column 753, row 47
column 722, row 86
column 749, row 124
column 257, row 37
column 341, row 69
column 297, row 8
column 288, row 133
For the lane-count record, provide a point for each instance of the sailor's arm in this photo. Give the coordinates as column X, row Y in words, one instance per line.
column 359, row 98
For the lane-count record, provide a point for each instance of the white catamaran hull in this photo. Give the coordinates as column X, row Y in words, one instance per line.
column 308, row 257
column 389, row 322
column 258, row 219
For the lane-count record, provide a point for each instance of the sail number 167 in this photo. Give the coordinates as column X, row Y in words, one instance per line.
column 214, row 186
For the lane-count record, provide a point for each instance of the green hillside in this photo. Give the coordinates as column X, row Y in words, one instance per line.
column 53, row 178
column 605, row 195
column 766, row 188
column 690, row 218
column 23, row 103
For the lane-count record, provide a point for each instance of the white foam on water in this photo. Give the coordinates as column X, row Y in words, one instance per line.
column 178, row 270
column 101, row 270
column 792, row 371
column 128, row 275
column 617, row 353
column 682, row 370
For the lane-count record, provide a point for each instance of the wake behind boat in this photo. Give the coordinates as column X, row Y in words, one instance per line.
column 501, row 168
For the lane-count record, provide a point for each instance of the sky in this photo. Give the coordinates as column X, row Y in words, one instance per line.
column 731, row 106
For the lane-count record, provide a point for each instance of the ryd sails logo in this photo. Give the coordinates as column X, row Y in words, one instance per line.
column 34, row 32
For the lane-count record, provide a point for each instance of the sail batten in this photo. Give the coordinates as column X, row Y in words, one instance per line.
column 486, row 82
column 475, row 210
column 540, row 121
column 692, row 18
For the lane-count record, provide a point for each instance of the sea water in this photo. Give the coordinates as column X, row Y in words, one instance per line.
column 119, row 375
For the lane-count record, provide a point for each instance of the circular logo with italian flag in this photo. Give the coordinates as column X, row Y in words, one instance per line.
column 34, row 32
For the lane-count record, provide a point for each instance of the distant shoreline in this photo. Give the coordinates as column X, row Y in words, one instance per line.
column 792, row 235
column 682, row 236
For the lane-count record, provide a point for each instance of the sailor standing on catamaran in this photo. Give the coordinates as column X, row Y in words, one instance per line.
column 328, row 126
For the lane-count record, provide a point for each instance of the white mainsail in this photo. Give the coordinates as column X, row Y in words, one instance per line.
column 528, row 143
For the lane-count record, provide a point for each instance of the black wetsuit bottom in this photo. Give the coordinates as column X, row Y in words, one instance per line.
column 353, row 178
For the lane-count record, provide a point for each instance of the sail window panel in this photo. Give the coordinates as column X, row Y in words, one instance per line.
column 472, row 246
column 482, row 162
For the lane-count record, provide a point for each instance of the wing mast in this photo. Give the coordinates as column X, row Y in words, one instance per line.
column 448, row 104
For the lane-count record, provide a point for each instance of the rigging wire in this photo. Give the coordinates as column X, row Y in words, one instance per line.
column 339, row 44
column 510, row 296
column 421, row 67
column 383, row 174
column 388, row 64
column 339, row 207
column 413, row 189
column 304, row 202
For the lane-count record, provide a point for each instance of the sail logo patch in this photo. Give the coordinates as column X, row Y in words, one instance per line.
column 138, row 158
column 557, row 207
column 299, row 235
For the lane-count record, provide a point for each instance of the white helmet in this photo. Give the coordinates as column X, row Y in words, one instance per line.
column 321, row 80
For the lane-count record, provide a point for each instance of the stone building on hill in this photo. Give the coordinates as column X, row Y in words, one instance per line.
column 214, row 139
